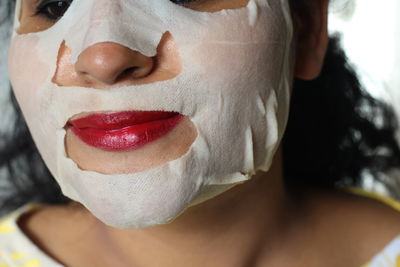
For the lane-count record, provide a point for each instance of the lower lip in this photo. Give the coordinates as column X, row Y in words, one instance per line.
column 127, row 138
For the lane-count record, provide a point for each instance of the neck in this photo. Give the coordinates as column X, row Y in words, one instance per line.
column 226, row 229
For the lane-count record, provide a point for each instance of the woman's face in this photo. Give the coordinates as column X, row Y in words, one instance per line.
column 149, row 106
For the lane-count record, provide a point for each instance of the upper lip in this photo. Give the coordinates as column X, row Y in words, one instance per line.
column 119, row 120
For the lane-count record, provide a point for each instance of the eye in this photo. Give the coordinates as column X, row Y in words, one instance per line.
column 53, row 9
column 182, row 2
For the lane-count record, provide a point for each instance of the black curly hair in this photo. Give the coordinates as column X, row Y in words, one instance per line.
column 331, row 139
column 337, row 132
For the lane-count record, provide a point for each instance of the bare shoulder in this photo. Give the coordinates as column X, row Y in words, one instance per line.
column 361, row 215
column 352, row 226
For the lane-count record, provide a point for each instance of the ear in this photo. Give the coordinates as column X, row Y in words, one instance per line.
column 311, row 19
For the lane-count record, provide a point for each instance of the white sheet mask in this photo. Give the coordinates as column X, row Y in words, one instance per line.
column 234, row 86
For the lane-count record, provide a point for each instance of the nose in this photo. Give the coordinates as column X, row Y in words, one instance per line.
column 107, row 65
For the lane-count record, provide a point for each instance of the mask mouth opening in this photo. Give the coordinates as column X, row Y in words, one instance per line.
column 127, row 141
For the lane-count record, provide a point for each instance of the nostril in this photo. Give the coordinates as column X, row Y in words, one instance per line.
column 134, row 72
column 128, row 73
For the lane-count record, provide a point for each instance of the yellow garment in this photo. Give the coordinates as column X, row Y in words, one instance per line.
column 16, row 249
column 390, row 255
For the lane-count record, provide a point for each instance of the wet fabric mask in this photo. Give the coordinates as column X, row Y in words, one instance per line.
column 234, row 87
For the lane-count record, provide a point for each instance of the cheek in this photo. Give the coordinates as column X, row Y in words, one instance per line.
column 28, row 73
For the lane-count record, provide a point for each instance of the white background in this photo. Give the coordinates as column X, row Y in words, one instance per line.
column 371, row 38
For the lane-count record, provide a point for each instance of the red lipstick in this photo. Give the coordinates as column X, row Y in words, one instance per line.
column 124, row 130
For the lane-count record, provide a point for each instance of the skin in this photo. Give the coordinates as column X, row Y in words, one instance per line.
column 258, row 223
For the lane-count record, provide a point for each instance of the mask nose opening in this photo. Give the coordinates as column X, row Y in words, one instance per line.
column 109, row 65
